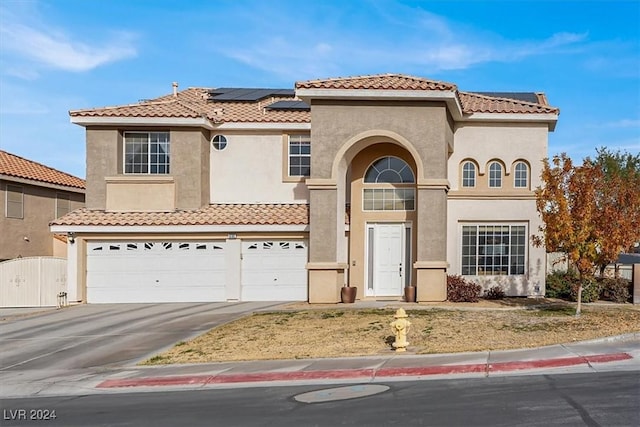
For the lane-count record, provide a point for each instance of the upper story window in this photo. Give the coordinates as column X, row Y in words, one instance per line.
column 468, row 174
column 392, row 170
column 219, row 142
column 15, row 202
column 146, row 152
column 299, row 155
column 63, row 204
column 521, row 175
column 495, row 175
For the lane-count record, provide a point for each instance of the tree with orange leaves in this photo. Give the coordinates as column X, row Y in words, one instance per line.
column 618, row 205
column 566, row 203
column 590, row 212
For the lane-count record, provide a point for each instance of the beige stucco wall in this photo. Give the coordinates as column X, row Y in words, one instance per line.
column 127, row 193
column 505, row 211
column 189, row 169
column 341, row 129
column 39, row 208
column 504, row 142
column 104, row 158
column 252, row 169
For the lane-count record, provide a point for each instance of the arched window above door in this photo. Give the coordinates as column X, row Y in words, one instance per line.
column 391, row 170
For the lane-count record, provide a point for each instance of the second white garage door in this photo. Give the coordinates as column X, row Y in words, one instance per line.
column 274, row 270
column 160, row 271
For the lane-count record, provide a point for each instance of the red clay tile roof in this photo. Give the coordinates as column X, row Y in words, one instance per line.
column 194, row 102
column 216, row 214
column 476, row 103
column 18, row 167
column 379, row 81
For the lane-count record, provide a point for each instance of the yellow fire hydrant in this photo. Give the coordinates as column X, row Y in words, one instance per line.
column 400, row 328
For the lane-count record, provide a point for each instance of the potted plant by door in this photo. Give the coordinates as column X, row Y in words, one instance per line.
column 348, row 294
column 410, row 293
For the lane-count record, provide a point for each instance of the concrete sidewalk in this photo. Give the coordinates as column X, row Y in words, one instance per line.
column 618, row 353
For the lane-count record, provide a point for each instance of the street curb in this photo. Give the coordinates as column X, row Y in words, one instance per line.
column 368, row 373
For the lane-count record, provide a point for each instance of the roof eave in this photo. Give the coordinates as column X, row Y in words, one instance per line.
column 44, row 184
column 448, row 96
column 264, row 126
column 551, row 119
column 142, row 121
column 213, row 228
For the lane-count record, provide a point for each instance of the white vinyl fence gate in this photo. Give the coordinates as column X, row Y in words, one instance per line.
column 32, row 282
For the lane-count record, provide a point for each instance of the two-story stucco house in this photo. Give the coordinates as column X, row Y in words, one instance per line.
column 32, row 195
column 216, row 194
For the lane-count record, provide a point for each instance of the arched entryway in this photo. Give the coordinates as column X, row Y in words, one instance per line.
column 382, row 193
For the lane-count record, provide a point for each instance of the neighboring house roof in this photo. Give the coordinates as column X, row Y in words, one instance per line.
column 18, row 167
column 216, row 214
column 229, row 105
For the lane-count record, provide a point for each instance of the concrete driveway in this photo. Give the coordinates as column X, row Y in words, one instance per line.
column 106, row 335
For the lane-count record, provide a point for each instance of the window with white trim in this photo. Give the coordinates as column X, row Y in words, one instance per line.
column 389, row 199
column 496, row 249
column 393, row 195
column 63, row 204
column 468, row 175
column 15, row 202
column 146, row 153
column 392, row 170
column 219, row 142
column 495, row 175
column 521, row 175
column 299, row 155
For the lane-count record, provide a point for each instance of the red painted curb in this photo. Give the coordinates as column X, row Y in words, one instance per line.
column 361, row 373
column 556, row 363
column 432, row 370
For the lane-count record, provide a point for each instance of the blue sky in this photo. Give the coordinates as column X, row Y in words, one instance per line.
column 60, row 55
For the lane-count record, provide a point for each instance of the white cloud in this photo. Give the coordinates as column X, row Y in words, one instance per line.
column 39, row 44
column 429, row 42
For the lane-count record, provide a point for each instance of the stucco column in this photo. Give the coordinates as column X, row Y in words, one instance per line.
column 431, row 257
column 326, row 273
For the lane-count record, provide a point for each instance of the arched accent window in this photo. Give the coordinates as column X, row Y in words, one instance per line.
column 392, row 170
column 521, row 175
column 389, row 170
column 495, row 175
column 468, row 174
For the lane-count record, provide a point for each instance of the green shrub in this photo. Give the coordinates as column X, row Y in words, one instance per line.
column 590, row 289
column 494, row 292
column 617, row 290
column 564, row 285
column 460, row 290
column 558, row 284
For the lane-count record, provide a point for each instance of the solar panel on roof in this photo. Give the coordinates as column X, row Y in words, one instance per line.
column 289, row 105
column 247, row 94
column 518, row 96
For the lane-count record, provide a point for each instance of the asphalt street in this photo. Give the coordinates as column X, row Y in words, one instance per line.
column 593, row 399
column 76, row 342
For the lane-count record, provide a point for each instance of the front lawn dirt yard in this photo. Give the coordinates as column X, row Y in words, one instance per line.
column 340, row 332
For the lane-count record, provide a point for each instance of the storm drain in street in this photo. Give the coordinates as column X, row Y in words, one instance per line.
column 341, row 393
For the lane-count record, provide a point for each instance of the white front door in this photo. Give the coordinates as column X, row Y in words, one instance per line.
column 386, row 269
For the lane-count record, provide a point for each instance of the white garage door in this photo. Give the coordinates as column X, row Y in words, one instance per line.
column 274, row 271
column 147, row 271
